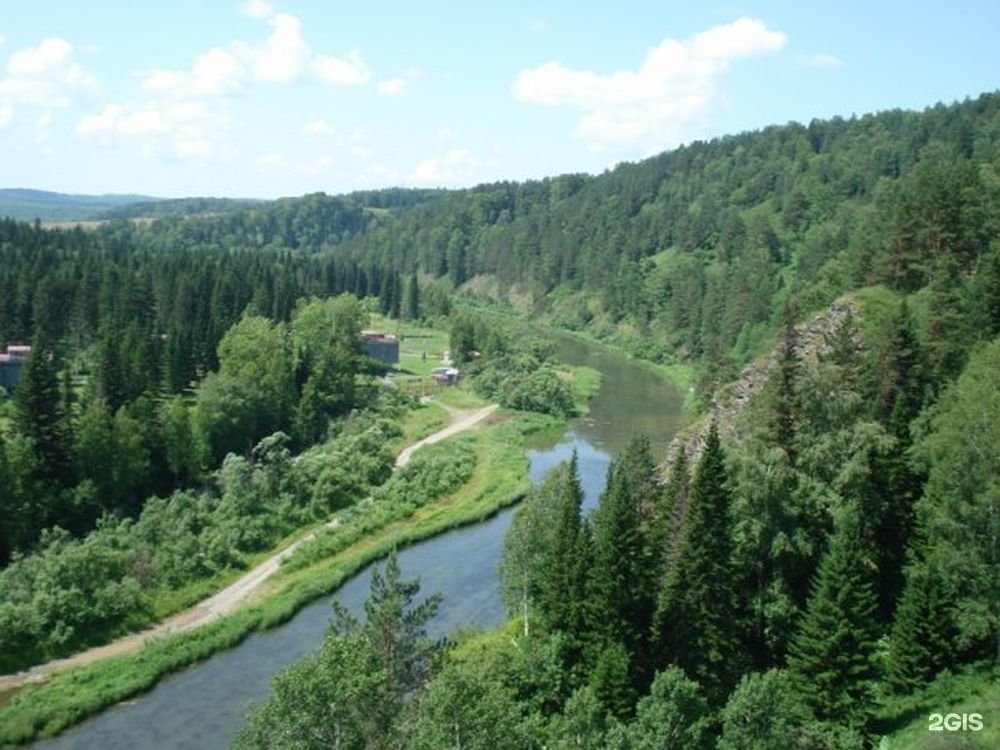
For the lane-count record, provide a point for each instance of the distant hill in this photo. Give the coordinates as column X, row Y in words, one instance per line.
column 28, row 205
column 179, row 207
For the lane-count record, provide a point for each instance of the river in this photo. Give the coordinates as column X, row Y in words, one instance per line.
column 203, row 707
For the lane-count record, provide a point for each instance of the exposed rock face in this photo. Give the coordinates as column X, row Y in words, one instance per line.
column 730, row 401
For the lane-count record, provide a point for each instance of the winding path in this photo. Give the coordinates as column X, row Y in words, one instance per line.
column 226, row 600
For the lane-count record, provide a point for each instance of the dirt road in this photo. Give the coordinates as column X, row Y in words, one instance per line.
column 226, row 600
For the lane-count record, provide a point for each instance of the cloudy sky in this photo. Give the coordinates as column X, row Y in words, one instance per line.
column 262, row 99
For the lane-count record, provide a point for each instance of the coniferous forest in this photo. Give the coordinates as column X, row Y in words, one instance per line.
column 797, row 574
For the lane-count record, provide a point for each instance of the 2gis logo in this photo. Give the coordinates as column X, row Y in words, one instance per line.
column 955, row 722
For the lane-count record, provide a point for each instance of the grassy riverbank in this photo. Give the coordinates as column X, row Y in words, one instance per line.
column 681, row 374
column 499, row 479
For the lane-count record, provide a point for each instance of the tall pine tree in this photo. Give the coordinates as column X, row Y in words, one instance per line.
column 696, row 624
column 833, row 652
column 40, row 416
column 618, row 610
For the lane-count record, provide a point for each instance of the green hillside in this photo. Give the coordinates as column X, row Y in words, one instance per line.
column 28, row 205
column 818, row 568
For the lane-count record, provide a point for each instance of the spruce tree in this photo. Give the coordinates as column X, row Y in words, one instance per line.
column 562, row 591
column 922, row 640
column 40, row 416
column 413, row 297
column 696, row 624
column 614, row 584
column 832, row 653
column 668, row 522
column 611, row 679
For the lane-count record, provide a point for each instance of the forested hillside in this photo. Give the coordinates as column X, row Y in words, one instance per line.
column 28, row 205
column 693, row 253
column 801, row 582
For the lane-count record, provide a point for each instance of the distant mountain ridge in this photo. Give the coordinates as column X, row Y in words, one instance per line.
column 28, row 204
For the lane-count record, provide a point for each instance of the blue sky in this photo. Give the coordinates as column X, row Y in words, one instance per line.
column 265, row 99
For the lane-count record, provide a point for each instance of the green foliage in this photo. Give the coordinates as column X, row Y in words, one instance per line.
column 620, row 580
column 76, row 592
column 434, row 472
column 832, row 656
column 611, row 679
column 720, row 238
column 948, row 609
column 974, row 688
column 542, row 540
column 251, row 394
column 697, row 624
column 40, row 413
column 764, row 712
column 673, row 715
column 583, row 723
column 68, row 698
column 463, row 708
column 508, row 368
column 352, row 693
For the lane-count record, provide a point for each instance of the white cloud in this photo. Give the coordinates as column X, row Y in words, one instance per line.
column 214, row 73
column 318, row 127
column 187, row 113
column 44, row 76
column 822, row 60
column 256, row 9
column 341, row 71
column 538, row 25
column 283, row 56
column 396, row 85
column 51, row 53
column 184, row 129
column 378, row 175
column 391, row 87
column 458, row 166
column 275, row 161
column 6, row 115
column 322, row 163
column 43, row 126
column 655, row 106
column 355, row 140
column 445, row 134
column 272, row 160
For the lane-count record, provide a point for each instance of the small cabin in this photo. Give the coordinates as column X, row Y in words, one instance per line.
column 382, row 347
column 12, row 360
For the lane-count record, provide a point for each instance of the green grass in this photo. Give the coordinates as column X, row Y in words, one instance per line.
column 420, row 347
column 584, row 382
column 67, row 698
column 459, row 397
column 420, row 422
column 973, row 690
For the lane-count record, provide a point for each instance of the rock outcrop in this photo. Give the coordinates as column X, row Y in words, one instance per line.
column 731, row 400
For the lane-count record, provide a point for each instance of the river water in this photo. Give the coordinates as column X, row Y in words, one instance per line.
column 203, row 707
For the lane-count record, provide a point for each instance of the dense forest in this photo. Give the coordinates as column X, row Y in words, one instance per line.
column 787, row 589
column 797, row 587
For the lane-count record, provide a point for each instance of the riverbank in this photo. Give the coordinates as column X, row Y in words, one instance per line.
column 500, row 478
column 681, row 375
column 228, row 598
